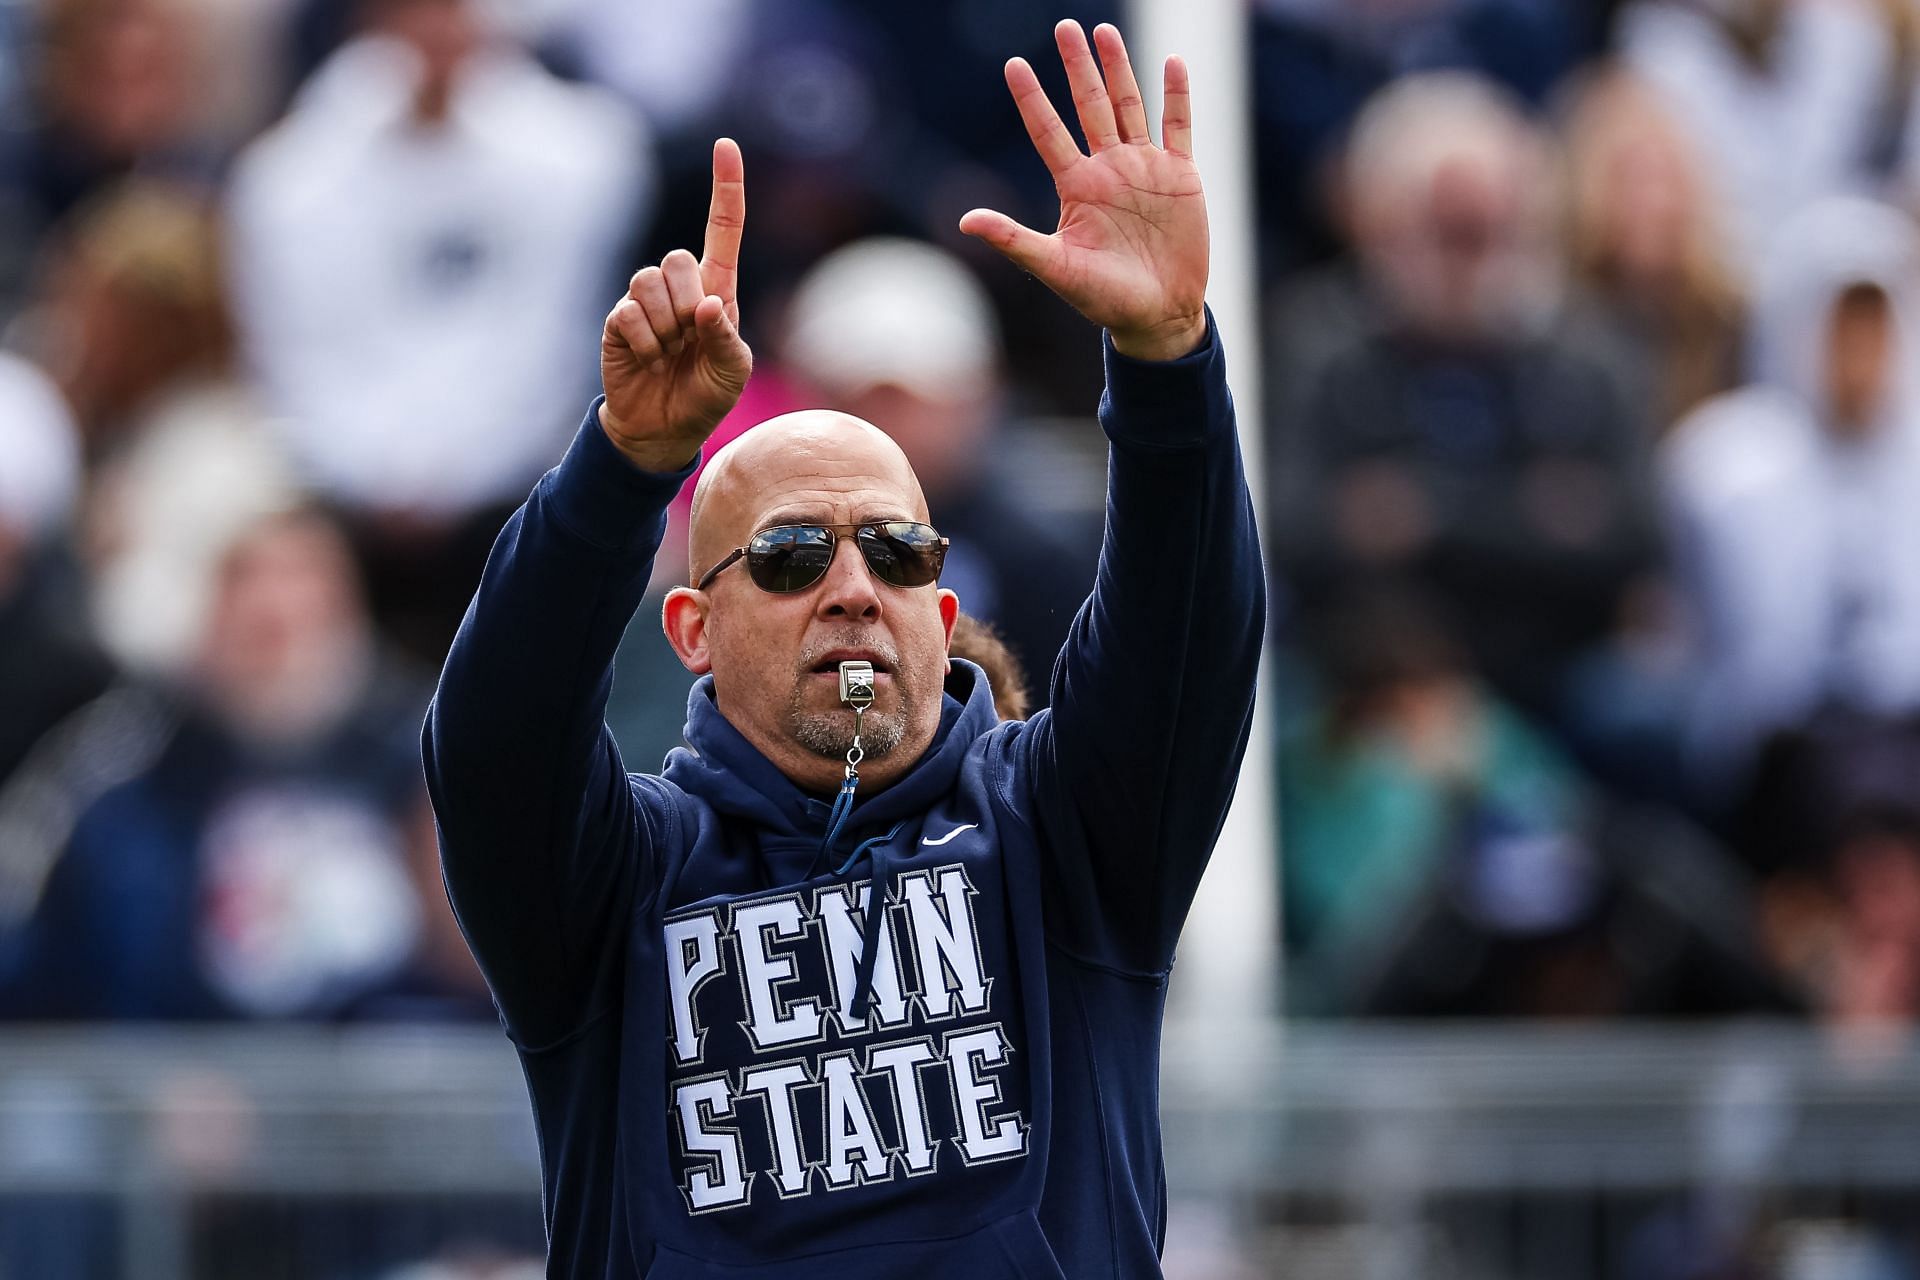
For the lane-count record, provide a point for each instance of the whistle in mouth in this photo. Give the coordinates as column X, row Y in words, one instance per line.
column 856, row 683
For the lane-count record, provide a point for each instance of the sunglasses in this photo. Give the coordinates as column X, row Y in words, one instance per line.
column 792, row 557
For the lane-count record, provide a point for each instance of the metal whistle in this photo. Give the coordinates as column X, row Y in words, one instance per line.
column 856, row 684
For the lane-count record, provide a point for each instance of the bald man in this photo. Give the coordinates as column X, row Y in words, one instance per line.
column 867, row 992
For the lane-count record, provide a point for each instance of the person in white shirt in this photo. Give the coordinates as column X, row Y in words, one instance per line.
column 1796, row 500
column 411, row 248
column 1782, row 98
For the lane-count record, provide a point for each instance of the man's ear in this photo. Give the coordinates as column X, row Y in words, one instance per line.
column 683, row 617
column 949, row 615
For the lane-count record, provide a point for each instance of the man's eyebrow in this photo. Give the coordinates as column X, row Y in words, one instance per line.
column 788, row 515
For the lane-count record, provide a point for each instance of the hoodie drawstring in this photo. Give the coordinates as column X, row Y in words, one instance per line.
column 836, row 820
column 878, row 890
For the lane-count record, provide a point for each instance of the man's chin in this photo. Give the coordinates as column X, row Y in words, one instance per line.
column 829, row 732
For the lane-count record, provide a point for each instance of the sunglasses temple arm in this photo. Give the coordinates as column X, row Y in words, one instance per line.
column 714, row 572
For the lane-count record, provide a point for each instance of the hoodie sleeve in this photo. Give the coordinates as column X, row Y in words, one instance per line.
column 1130, row 772
column 544, row 838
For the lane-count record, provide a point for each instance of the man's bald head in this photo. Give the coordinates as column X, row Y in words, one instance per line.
column 815, row 458
column 774, row 656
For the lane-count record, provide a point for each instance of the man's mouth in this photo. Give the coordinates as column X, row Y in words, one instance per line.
column 829, row 665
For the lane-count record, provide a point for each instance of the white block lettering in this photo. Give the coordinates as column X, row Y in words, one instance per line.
column 854, row 1152
column 762, row 972
column 903, row 1061
column 842, row 911
column 777, row 1084
column 720, row 1182
column 693, row 956
column 982, row 1139
column 945, row 940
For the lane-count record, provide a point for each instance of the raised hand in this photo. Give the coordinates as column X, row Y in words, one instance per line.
column 671, row 358
column 1130, row 253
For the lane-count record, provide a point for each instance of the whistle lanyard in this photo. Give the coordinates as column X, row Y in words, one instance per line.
column 856, row 690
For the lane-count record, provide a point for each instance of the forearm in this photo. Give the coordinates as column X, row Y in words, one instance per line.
column 537, row 822
column 1153, row 700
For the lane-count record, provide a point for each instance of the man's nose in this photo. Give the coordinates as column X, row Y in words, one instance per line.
column 848, row 590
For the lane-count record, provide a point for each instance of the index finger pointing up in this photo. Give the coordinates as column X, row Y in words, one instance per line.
column 726, row 215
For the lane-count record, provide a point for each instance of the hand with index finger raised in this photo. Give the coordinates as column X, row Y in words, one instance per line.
column 672, row 362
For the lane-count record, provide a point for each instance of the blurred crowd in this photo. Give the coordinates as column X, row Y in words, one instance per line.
column 298, row 299
column 1591, row 358
column 1594, row 494
column 1592, row 459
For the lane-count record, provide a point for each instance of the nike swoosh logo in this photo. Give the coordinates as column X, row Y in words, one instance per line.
column 935, row 844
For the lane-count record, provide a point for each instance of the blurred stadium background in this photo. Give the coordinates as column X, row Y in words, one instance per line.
column 1569, row 926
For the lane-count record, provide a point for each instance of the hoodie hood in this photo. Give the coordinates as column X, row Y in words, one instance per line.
column 1819, row 253
column 722, row 768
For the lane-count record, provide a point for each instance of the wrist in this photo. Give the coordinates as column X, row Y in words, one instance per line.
column 1169, row 340
column 660, row 456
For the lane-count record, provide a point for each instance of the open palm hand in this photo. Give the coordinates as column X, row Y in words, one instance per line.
column 1130, row 251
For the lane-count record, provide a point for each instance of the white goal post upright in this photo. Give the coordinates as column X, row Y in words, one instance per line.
column 1230, row 963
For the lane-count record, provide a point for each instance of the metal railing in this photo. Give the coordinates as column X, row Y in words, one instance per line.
column 1277, row 1135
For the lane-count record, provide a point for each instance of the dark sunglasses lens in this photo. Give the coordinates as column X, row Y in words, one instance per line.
column 789, row 559
column 902, row 552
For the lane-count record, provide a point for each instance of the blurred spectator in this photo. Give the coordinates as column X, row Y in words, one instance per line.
column 1785, row 99
column 416, row 249
column 901, row 334
column 1400, row 737
column 161, row 511
column 235, row 847
column 1796, row 501
column 1847, row 933
column 1647, row 243
column 1875, row 973
column 673, row 61
column 1434, row 417
column 1316, row 62
column 114, row 89
column 51, row 665
column 132, row 319
column 1443, row 858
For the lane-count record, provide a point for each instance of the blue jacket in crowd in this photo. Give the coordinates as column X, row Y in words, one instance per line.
column 742, row 1069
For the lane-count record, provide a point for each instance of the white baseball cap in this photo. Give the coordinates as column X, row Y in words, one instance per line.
column 892, row 311
column 39, row 449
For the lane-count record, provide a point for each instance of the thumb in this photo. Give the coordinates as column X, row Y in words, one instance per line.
column 720, row 342
column 1025, row 247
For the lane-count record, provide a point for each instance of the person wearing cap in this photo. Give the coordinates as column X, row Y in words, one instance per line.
column 900, row 333
column 868, row 982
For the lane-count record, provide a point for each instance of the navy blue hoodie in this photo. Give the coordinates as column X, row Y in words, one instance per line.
column 742, row 1068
